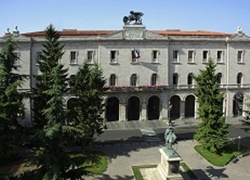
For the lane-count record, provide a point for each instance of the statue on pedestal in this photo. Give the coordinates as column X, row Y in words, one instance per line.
column 170, row 140
column 134, row 16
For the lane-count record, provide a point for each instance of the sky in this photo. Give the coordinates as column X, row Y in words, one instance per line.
column 211, row 15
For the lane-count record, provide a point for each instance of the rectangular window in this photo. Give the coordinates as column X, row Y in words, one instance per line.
column 155, row 55
column 73, row 57
column 135, row 56
column 219, row 56
column 205, row 56
column 240, row 57
column 190, row 56
column 17, row 61
column 113, row 56
column 175, row 56
column 90, row 57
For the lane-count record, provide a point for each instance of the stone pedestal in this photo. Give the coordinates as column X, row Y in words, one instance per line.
column 169, row 167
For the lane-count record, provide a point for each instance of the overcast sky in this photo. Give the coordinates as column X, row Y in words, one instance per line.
column 211, row 15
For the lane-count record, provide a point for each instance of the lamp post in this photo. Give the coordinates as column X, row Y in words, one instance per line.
column 239, row 143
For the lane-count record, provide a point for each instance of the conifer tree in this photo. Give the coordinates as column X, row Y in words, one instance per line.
column 212, row 132
column 50, row 56
column 11, row 100
column 55, row 132
column 89, row 90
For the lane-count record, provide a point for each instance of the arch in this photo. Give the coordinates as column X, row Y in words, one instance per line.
column 133, row 108
column 175, row 107
column 238, row 104
column 71, row 104
column 153, row 108
column 189, row 106
column 112, row 109
column 112, row 80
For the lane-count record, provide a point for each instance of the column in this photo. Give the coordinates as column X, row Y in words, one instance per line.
column 196, row 106
column 182, row 109
column 144, row 111
column 122, row 112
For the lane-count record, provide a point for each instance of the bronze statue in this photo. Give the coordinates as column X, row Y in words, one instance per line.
column 134, row 16
column 170, row 138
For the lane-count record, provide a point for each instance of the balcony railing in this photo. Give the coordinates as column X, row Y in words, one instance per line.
column 136, row 88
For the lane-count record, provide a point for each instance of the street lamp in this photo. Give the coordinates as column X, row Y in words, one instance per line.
column 239, row 143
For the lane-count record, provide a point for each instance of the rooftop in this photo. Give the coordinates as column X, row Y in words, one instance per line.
column 74, row 32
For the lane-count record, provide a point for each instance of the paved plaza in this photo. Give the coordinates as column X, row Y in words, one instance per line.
column 123, row 156
column 141, row 147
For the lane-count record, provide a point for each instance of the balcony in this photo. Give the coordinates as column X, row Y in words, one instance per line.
column 136, row 88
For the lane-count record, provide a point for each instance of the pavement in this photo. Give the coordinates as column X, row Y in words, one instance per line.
column 137, row 150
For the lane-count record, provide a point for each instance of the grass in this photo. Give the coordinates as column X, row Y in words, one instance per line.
column 138, row 175
column 137, row 172
column 94, row 168
column 100, row 167
column 188, row 171
column 230, row 152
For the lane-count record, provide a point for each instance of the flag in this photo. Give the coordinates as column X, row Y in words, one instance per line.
column 136, row 54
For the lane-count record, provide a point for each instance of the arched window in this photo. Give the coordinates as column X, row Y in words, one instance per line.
column 154, row 79
column 239, row 78
column 133, row 80
column 72, row 80
column 219, row 76
column 175, row 79
column 190, row 79
column 112, row 80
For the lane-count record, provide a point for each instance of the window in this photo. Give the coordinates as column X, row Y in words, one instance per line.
column 175, row 56
column 205, row 55
column 240, row 58
column 72, row 81
column 135, row 56
column 38, row 57
column 17, row 61
column 90, row 57
column 155, row 56
column 219, row 56
column 239, row 78
column 154, row 79
column 190, row 56
column 73, row 57
column 219, row 77
column 112, row 80
column 190, row 79
column 175, row 79
column 113, row 56
column 133, row 80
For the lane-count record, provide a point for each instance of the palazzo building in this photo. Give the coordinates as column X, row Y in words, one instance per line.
column 149, row 72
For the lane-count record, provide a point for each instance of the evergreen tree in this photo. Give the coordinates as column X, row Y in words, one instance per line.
column 89, row 106
column 51, row 156
column 11, row 100
column 55, row 133
column 212, row 132
column 51, row 54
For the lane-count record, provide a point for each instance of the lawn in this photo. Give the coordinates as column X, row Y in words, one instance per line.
column 96, row 168
column 137, row 172
column 230, row 152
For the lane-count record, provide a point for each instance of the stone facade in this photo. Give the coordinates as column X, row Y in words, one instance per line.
column 149, row 73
